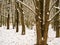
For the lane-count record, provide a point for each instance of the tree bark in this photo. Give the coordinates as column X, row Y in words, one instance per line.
column 38, row 22
column 8, row 18
column 0, row 17
column 57, row 20
column 17, row 16
column 46, row 22
column 22, row 16
column 22, row 19
column 17, row 21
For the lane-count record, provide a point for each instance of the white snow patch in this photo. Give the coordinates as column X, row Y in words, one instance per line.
column 11, row 37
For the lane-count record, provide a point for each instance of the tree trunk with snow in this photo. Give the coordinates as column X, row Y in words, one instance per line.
column 46, row 22
column 38, row 22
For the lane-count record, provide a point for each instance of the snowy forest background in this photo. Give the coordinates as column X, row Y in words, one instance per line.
column 29, row 22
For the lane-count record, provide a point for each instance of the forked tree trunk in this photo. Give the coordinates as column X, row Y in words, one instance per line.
column 39, row 25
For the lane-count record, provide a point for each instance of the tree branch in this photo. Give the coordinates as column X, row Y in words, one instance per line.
column 57, row 7
column 27, row 6
column 52, row 5
column 54, row 15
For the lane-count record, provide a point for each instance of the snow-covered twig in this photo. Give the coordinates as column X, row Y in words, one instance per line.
column 57, row 7
column 27, row 6
column 52, row 5
column 18, row 10
column 54, row 15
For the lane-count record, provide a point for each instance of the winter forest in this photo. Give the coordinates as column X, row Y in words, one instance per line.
column 29, row 22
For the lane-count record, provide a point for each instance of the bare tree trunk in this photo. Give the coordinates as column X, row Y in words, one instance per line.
column 13, row 21
column 17, row 21
column 5, row 21
column 57, row 20
column 38, row 22
column 57, row 25
column 17, row 16
column 0, row 20
column 8, row 18
column 0, row 16
column 23, row 26
column 22, row 16
column 46, row 22
column 22, row 19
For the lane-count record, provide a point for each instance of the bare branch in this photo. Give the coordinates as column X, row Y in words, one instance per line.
column 54, row 15
column 27, row 6
column 52, row 5
column 57, row 7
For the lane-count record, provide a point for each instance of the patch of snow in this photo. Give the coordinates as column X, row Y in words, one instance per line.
column 52, row 40
column 11, row 37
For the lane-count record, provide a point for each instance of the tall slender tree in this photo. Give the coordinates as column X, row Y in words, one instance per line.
column 0, row 14
column 17, row 15
column 22, row 19
column 8, row 16
column 17, row 21
column 19, row 7
column 57, row 20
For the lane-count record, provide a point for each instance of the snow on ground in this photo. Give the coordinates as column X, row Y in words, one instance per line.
column 11, row 37
column 52, row 40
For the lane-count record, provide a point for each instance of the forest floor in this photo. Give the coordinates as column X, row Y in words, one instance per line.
column 11, row 37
